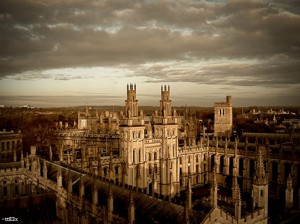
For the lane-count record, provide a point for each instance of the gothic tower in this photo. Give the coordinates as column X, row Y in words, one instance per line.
column 223, row 118
column 132, row 143
column 165, row 129
column 131, row 103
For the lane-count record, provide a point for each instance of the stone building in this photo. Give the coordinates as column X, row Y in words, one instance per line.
column 237, row 177
column 223, row 118
column 10, row 146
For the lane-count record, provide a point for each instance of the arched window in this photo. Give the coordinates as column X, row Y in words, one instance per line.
column 155, row 155
column 150, row 170
column 133, row 156
column 140, row 155
column 173, row 150
column 150, row 156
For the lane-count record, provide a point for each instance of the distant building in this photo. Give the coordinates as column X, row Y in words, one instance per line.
column 10, row 146
column 223, row 118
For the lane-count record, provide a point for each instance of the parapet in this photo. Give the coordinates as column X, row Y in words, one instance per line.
column 228, row 102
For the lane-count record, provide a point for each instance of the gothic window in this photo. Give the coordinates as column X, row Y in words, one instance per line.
column 17, row 189
column 133, row 156
column 189, row 159
column 196, row 158
column 140, row 155
column 150, row 170
column 150, row 156
column 180, row 160
column 173, row 150
column 4, row 191
column 197, row 168
column 261, row 193
column 155, row 168
column 155, row 155
column 221, row 112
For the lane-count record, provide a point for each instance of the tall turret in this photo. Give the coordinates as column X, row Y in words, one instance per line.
column 165, row 102
column 166, row 129
column 260, row 183
column 131, row 104
column 132, row 132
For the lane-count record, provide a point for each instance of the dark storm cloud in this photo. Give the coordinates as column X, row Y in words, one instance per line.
column 41, row 35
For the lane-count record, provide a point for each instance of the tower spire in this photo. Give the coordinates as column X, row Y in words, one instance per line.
column 260, row 175
column 260, row 184
column 131, row 210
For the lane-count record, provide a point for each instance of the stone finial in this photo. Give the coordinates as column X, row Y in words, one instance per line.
column 188, row 202
column 214, row 189
column 131, row 209
column 27, row 161
column 95, row 195
column 45, row 171
column 59, row 177
column 22, row 159
column 50, row 153
column 110, row 199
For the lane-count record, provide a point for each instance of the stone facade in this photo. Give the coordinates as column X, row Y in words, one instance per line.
column 10, row 146
column 144, row 154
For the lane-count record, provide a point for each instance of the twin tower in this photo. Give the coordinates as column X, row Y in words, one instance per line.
column 150, row 148
column 131, row 103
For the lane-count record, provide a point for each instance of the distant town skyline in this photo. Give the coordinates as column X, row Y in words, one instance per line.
column 69, row 53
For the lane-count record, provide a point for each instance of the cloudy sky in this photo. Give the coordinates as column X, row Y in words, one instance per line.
column 78, row 52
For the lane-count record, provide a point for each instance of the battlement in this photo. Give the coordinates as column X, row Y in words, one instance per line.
column 165, row 88
column 131, row 87
column 11, row 171
column 228, row 102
